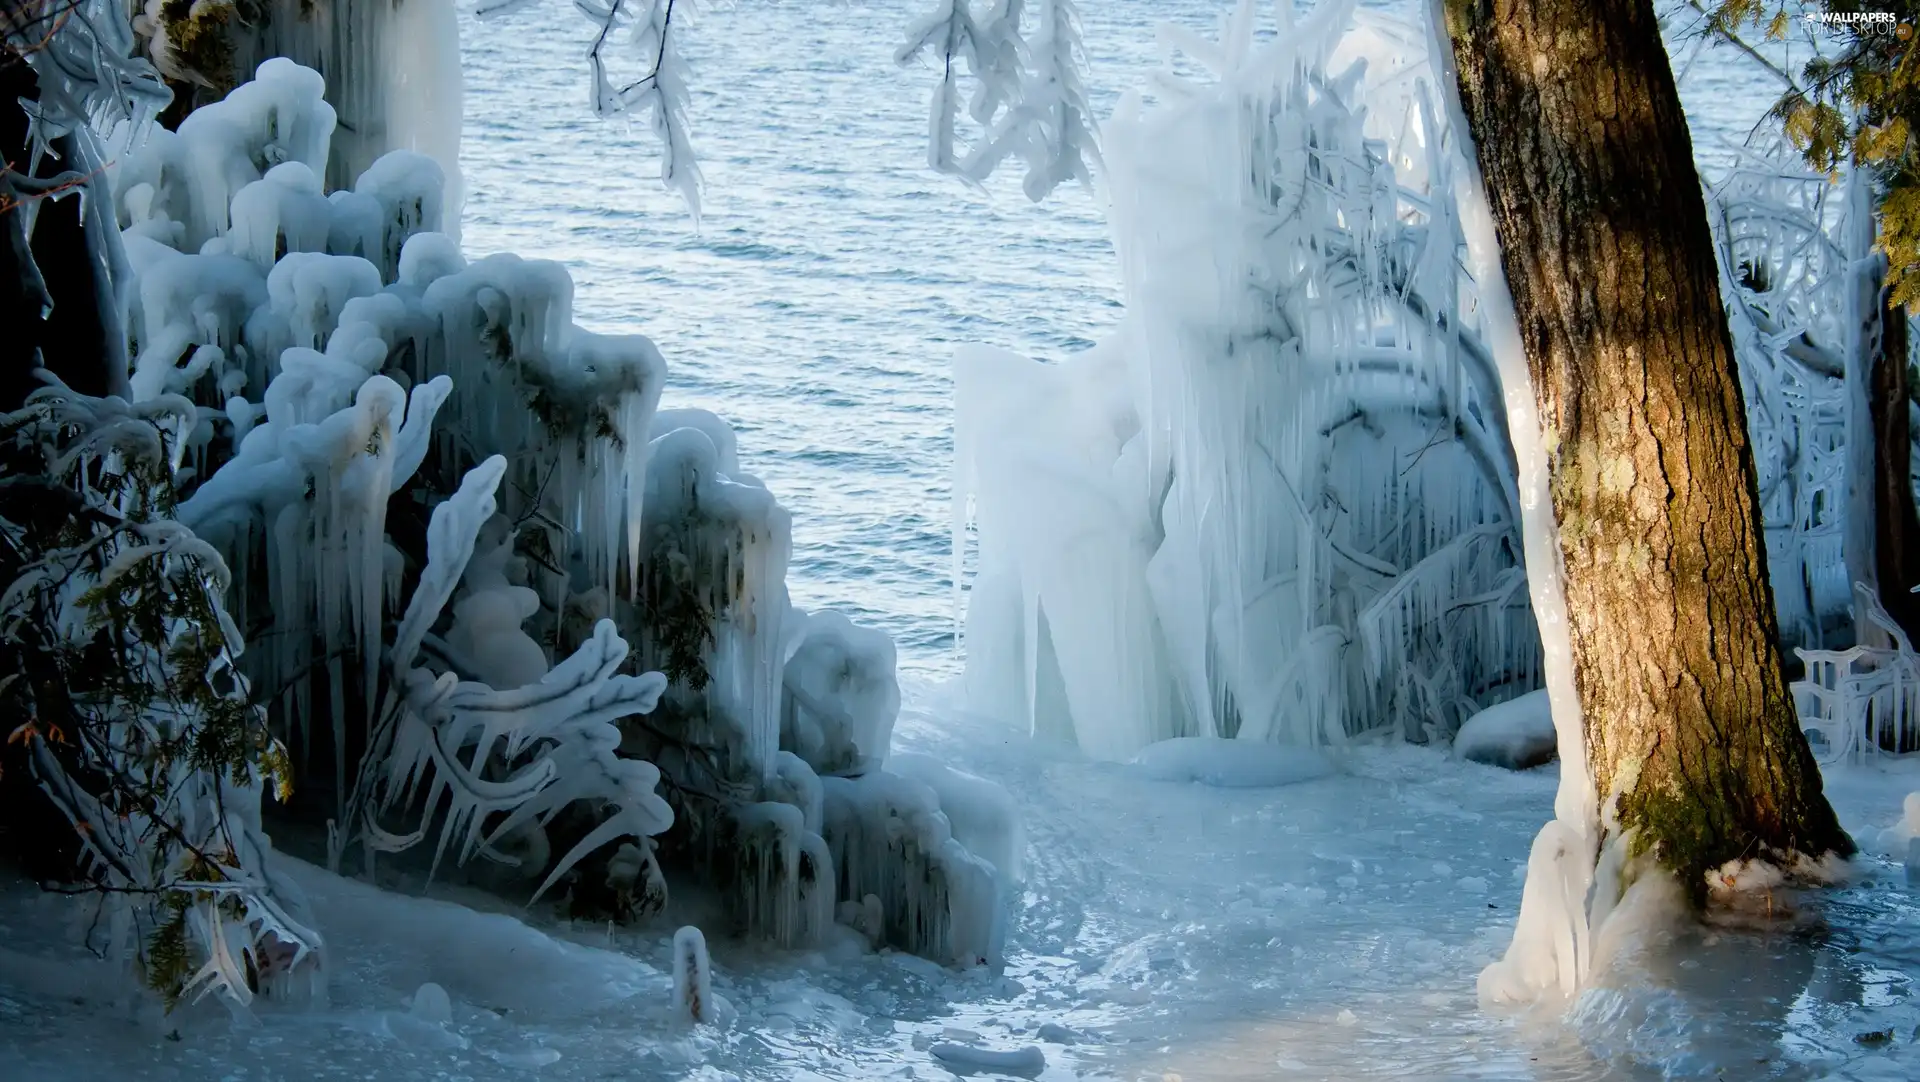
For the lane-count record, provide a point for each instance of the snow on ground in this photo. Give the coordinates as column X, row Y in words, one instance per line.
column 1326, row 929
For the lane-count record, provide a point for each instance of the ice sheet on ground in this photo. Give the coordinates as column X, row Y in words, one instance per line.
column 1233, row 764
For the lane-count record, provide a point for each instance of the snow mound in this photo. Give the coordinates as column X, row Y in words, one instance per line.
column 1517, row 734
column 1230, row 764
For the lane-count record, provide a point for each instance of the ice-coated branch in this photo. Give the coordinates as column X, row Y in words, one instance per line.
column 661, row 93
column 1029, row 99
column 82, row 53
column 1062, row 144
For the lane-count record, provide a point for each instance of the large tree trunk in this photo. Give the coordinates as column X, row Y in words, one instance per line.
column 1606, row 248
column 1896, row 526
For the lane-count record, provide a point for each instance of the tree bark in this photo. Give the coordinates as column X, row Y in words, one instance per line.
column 1691, row 732
column 1896, row 525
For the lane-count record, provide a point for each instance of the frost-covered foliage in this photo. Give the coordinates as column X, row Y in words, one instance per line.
column 1784, row 274
column 122, row 685
column 1279, row 503
column 1029, row 98
column 450, row 510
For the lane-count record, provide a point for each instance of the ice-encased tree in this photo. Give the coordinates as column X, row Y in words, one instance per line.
column 1680, row 743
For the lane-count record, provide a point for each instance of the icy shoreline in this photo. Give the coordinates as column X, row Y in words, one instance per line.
column 1329, row 929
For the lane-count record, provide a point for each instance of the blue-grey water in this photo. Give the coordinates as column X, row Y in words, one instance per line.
column 819, row 300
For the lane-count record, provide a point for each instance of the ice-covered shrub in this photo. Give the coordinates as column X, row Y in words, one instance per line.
column 1279, row 503
column 450, row 510
column 123, row 687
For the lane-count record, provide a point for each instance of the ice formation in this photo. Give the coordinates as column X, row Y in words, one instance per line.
column 1301, row 494
column 1895, row 840
column 692, row 976
column 1030, row 1060
column 889, row 839
column 1516, row 734
column 980, row 813
column 1784, row 262
column 450, row 510
column 841, row 698
column 1863, row 700
column 1280, row 504
column 1551, row 949
column 394, row 70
